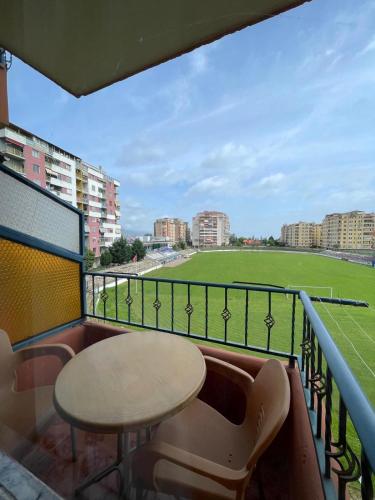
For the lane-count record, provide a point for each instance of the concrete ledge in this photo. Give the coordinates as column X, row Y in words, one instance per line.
column 17, row 482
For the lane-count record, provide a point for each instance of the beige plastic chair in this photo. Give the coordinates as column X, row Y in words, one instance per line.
column 24, row 413
column 199, row 454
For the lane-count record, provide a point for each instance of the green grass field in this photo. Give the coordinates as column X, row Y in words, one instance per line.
column 352, row 328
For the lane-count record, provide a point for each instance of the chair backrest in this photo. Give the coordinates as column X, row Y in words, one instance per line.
column 7, row 364
column 267, row 408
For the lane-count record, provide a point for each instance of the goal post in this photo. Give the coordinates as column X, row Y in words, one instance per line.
column 323, row 291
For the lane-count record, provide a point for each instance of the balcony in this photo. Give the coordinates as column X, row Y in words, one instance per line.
column 14, row 151
column 16, row 165
column 50, row 300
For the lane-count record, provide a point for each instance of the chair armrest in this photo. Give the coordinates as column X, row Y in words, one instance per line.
column 229, row 371
column 62, row 351
column 219, row 473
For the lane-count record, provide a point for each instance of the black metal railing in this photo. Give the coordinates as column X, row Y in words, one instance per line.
column 248, row 317
column 265, row 319
column 330, row 385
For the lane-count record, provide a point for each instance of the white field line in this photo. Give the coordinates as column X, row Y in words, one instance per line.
column 350, row 342
column 359, row 326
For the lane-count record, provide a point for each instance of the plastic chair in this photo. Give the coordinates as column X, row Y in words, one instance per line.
column 199, row 454
column 24, row 413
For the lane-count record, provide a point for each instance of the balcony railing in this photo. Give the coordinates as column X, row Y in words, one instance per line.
column 268, row 320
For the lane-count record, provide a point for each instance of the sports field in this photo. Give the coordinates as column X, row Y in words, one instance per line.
column 352, row 328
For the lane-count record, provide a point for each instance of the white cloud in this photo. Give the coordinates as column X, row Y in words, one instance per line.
column 230, row 155
column 368, row 48
column 272, row 181
column 141, row 152
column 198, row 61
column 213, row 185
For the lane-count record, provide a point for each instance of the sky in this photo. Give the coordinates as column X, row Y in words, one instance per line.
column 272, row 125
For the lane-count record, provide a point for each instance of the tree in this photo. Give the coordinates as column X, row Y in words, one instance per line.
column 271, row 241
column 89, row 259
column 180, row 245
column 138, row 249
column 232, row 239
column 121, row 252
column 106, row 258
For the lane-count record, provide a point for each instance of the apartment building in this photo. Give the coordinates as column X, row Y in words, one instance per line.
column 210, row 229
column 171, row 228
column 68, row 177
column 349, row 230
column 301, row 234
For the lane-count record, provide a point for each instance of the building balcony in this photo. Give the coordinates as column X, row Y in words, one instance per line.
column 17, row 165
column 55, row 311
column 14, row 152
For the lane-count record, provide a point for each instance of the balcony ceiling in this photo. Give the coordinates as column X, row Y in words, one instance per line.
column 86, row 45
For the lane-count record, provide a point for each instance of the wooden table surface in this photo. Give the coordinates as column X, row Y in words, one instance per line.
column 129, row 381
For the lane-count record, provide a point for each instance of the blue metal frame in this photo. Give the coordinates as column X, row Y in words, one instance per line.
column 31, row 241
column 82, row 263
column 38, row 244
column 43, row 335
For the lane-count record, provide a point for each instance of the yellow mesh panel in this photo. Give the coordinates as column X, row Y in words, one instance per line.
column 38, row 291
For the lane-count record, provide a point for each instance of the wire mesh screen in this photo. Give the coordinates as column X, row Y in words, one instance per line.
column 30, row 212
column 39, row 291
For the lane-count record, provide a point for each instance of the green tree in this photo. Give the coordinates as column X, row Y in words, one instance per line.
column 106, row 258
column 88, row 259
column 138, row 249
column 121, row 252
column 180, row 245
column 271, row 241
column 232, row 239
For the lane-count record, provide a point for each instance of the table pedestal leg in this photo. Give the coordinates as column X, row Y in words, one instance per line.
column 108, row 470
column 73, row 443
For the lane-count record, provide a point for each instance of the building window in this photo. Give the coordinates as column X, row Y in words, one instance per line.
column 36, row 168
column 35, row 153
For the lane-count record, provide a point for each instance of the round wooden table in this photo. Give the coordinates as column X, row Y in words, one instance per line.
column 128, row 382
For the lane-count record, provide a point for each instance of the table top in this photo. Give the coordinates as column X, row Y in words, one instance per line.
column 129, row 381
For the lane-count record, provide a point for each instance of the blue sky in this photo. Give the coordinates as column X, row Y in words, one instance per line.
column 273, row 124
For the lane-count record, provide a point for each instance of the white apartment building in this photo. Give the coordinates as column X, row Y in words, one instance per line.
column 301, row 234
column 349, row 230
column 173, row 229
column 210, row 228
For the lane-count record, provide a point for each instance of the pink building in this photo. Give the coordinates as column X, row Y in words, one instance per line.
column 67, row 176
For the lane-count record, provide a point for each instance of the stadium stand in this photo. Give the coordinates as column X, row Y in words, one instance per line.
column 350, row 256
